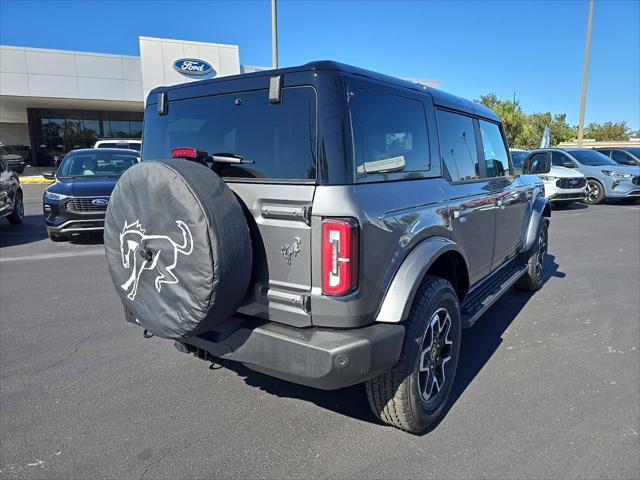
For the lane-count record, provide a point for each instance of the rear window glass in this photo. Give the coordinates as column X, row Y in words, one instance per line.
column 279, row 139
column 123, row 145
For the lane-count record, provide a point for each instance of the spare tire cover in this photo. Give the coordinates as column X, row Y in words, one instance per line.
column 178, row 247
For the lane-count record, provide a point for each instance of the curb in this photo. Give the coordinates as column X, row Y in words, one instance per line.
column 35, row 179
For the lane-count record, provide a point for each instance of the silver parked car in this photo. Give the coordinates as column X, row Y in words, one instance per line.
column 606, row 179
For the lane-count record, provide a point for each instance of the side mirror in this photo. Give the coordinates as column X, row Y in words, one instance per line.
column 49, row 175
column 537, row 164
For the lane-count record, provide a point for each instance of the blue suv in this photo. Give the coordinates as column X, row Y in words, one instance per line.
column 606, row 179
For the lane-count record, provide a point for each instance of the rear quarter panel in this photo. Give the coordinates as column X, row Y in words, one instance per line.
column 393, row 217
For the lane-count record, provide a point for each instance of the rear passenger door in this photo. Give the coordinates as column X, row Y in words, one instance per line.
column 471, row 205
column 510, row 195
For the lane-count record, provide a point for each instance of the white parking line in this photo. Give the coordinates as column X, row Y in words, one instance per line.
column 48, row 256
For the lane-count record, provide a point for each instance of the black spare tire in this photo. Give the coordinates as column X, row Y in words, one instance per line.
column 178, row 247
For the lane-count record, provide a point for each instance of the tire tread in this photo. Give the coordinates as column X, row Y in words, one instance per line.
column 389, row 393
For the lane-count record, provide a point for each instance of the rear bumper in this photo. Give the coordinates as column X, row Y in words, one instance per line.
column 15, row 164
column 317, row 357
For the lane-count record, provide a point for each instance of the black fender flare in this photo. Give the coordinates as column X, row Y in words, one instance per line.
column 541, row 212
column 397, row 301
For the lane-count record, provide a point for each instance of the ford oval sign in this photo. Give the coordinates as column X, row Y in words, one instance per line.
column 192, row 67
column 100, row 202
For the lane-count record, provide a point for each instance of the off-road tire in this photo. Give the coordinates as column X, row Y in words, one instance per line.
column 395, row 396
column 594, row 199
column 18, row 210
column 531, row 281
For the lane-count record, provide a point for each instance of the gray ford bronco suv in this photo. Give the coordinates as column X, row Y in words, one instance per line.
column 325, row 225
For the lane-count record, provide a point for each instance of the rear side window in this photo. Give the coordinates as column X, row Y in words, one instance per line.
column 620, row 156
column 279, row 139
column 560, row 159
column 394, row 133
column 458, row 146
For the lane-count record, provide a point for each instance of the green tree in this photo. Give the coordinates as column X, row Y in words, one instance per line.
column 525, row 131
column 607, row 131
column 490, row 100
column 513, row 118
column 559, row 130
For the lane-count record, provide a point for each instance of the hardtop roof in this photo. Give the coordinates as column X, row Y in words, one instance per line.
column 440, row 98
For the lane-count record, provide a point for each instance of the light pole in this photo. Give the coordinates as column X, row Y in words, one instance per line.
column 585, row 77
column 274, row 35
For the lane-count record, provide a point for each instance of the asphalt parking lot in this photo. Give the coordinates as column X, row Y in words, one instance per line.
column 548, row 386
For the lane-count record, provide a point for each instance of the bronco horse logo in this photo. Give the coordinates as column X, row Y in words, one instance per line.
column 151, row 252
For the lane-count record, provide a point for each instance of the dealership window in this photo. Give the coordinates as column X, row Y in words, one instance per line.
column 55, row 132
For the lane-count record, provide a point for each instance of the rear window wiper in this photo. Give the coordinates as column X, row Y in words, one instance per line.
column 225, row 157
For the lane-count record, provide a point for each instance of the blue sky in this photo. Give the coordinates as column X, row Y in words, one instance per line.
column 532, row 48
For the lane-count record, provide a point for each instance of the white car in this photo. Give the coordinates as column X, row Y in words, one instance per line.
column 561, row 184
column 126, row 143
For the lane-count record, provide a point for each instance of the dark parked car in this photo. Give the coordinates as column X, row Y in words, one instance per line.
column 77, row 201
column 23, row 150
column 350, row 226
column 11, row 200
column 130, row 144
column 622, row 155
column 12, row 161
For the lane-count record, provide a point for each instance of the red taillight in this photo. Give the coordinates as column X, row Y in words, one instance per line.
column 184, row 152
column 339, row 256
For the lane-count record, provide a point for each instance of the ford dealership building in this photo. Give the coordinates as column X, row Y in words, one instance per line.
column 55, row 100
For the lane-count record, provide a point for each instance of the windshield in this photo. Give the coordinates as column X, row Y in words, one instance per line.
column 591, row 158
column 96, row 164
column 518, row 158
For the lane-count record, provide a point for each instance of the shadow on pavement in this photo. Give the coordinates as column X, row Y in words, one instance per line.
column 478, row 346
column 32, row 229
column 575, row 206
